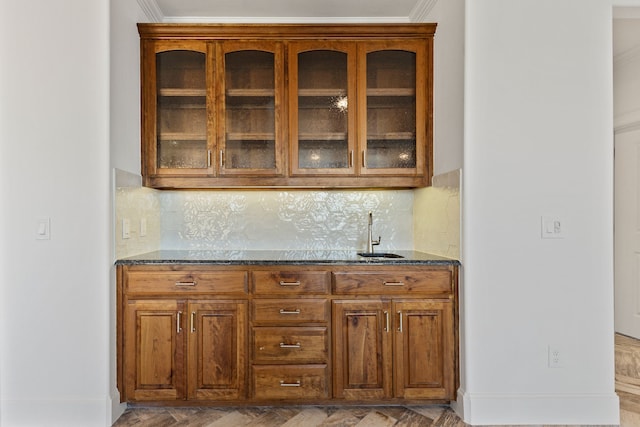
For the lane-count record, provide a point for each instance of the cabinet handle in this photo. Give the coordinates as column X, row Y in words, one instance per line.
column 282, row 283
column 400, row 321
column 193, row 321
column 179, row 322
column 208, row 158
column 221, row 158
column 186, row 283
column 296, row 345
column 386, row 321
column 284, row 384
column 393, row 283
column 364, row 158
column 283, row 311
column 351, row 158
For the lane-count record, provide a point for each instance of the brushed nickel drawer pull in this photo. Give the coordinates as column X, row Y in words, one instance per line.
column 179, row 322
column 193, row 283
column 296, row 345
column 283, row 311
column 386, row 321
column 400, row 322
column 193, row 321
column 295, row 384
column 393, row 283
column 283, row 283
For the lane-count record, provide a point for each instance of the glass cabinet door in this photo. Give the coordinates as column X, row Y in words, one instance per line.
column 322, row 121
column 181, row 133
column 392, row 110
column 250, row 103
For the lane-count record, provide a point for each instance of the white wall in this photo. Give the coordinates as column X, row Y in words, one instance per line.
column 54, row 162
column 124, row 146
column 448, row 89
column 538, row 141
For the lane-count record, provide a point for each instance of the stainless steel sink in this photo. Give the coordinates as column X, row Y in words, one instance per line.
column 379, row 255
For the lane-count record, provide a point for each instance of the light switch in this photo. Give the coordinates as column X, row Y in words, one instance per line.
column 43, row 228
column 126, row 228
column 143, row 227
column 553, row 227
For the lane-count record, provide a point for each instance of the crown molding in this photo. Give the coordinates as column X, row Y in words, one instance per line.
column 285, row 20
column 151, row 10
column 421, row 10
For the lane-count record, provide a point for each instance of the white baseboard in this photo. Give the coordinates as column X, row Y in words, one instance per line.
column 56, row 413
column 536, row 409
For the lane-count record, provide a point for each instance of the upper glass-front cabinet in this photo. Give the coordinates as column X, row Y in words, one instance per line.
column 250, row 100
column 291, row 105
column 393, row 112
column 181, row 129
column 322, row 98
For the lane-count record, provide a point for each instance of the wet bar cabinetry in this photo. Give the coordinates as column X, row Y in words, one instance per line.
column 287, row 334
column 286, row 105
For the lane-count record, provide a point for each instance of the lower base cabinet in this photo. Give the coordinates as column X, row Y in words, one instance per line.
column 287, row 334
column 176, row 350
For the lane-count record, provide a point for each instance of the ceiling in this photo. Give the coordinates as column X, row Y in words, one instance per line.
column 286, row 11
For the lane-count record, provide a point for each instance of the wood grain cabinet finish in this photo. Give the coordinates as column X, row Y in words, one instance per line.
column 287, row 105
column 361, row 333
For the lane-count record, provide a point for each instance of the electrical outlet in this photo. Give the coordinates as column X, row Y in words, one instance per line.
column 555, row 357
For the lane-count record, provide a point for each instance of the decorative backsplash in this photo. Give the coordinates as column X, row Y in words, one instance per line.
column 436, row 217
column 285, row 220
column 425, row 220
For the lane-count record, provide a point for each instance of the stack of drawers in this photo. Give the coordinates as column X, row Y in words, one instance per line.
column 290, row 334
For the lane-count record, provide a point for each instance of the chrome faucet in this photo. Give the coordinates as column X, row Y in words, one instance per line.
column 370, row 242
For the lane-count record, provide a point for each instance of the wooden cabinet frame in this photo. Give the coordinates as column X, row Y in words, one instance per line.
column 349, row 333
column 284, row 40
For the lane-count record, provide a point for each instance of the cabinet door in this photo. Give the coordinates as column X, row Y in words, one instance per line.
column 322, row 88
column 362, row 350
column 217, row 350
column 154, row 350
column 251, row 90
column 424, row 350
column 177, row 108
column 393, row 111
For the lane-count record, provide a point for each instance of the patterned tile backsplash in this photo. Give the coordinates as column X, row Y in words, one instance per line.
column 281, row 220
column 284, row 220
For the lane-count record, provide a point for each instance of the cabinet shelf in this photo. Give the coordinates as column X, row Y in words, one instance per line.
column 250, row 136
column 321, row 92
column 182, row 92
column 323, row 136
column 173, row 136
column 391, row 91
column 391, row 136
column 251, row 93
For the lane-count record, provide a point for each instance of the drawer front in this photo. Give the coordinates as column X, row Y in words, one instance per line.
column 219, row 282
column 290, row 311
column 291, row 282
column 393, row 282
column 302, row 382
column 290, row 345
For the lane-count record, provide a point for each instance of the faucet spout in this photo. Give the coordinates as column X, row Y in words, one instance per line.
column 370, row 242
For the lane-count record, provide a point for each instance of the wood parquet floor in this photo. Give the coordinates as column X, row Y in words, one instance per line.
column 627, row 387
column 308, row 416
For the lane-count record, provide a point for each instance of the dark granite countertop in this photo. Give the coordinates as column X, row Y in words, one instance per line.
column 281, row 257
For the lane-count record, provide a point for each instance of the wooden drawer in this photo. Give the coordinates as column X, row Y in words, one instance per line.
column 301, row 382
column 393, row 282
column 290, row 282
column 194, row 281
column 290, row 345
column 287, row 311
